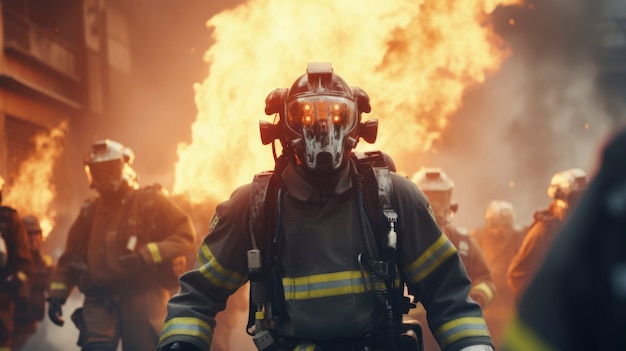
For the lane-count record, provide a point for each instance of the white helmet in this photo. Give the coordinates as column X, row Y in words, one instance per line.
column 566, row 183
column 108, row 166
column 437, row 187
column 565, row 189
column 500, row 214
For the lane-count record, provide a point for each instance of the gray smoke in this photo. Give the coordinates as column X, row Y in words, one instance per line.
column 544, row 111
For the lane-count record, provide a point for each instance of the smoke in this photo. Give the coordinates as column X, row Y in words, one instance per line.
column 543, row 112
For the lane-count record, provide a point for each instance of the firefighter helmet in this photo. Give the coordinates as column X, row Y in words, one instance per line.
column 108, row 166
column 566, row 188
column 500, row 214
column 437, row 187
column 320, row 119
column 32, row 224
column 565, row 184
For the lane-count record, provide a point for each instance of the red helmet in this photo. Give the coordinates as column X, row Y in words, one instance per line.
column 320, row 119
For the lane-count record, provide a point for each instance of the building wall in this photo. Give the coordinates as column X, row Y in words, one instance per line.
column 62, row 61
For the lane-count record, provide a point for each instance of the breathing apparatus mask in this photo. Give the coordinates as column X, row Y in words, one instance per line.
column 320, row 119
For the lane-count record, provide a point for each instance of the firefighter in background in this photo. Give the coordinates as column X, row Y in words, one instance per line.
column 122, row 252
column 565, row 189
column 499, row 240
column 14, row 273
column 577, row 299
column 324, row 294
column 438, row 187
column 29, row 312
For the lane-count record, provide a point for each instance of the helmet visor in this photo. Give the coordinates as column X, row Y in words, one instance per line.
column 106, row 174
column 323, row 122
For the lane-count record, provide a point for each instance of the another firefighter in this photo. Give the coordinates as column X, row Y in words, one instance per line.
column 565, row 189
column 122, row 252
column 33, row 310
column 319, row 268
column 499, row 240
column 577, row 299
column 438, row 187
column 14, row 273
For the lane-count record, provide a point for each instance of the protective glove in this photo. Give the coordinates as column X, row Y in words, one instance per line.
column 132, row 262
column 180, row 346
column 55, row 311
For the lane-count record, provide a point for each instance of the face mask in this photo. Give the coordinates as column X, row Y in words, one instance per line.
column 323, row 123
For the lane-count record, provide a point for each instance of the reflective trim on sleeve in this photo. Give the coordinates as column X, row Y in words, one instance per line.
column 153, row 248
column 519, row 337
column 432, row 258
column 58, row 286
column 21, row 276
column 188, row 326
column 306, row 346
column 325, row 285
column 211, row 269
column 461, row 328
column 486, row 289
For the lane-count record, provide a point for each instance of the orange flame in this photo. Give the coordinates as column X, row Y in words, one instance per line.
column 414, row 58
column 33, row 191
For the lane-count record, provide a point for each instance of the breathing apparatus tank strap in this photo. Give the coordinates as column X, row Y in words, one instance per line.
column 261, row 337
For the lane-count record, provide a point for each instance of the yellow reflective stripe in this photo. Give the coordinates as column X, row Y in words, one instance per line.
column 58, row 286
column 519, row 337
column 306, row 346
column 189, row 326
column 461, row 328
column 485, row 288
column 153, row 248
column 432, row 258
column 216, row 273
column 325, row 285
column 48, row 261
column 5, row 349
column 22, row 276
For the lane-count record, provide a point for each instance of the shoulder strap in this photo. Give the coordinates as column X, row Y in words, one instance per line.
column 146, row 198
column 378, row 190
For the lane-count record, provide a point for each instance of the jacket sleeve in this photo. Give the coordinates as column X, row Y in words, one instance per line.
column 20, row 260
column 174, row 234
column 435, row 274
column 528, row 259
column 220, row 270
column 72, row 263
column 483, row 288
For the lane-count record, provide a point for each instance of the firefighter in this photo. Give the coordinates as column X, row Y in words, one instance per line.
column 319, row 279
column 122, row 252
column 28, row 313
column 438, row 188
column 499, row 240
column 576, row 301
column 14, row 274
column 565, row 189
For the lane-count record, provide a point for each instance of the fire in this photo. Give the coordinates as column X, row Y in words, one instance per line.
column 414, row 58
column 33, row 190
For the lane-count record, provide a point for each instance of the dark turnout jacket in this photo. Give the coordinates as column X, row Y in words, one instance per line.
column 100, row 235
column 325, row 293
column 577, row 299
